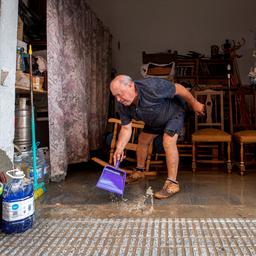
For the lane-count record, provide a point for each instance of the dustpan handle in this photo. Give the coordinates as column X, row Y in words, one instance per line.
column 117, row 164
column 117, row 167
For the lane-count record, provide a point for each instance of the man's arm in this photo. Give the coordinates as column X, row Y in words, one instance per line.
column 189, row 98
column 123, row 139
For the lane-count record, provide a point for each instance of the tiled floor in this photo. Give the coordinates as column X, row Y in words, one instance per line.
column 134, row 236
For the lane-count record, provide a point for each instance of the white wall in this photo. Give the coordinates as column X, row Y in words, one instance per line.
column 183, row 25
column 8, row 39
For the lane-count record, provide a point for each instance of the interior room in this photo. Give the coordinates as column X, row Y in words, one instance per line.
column 60, row 125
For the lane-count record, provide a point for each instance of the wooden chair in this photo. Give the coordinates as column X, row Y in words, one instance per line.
column 137, row 126
column 131, row 146
column 244, row 117
column 209, row 129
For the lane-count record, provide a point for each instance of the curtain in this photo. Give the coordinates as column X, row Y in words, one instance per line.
column 79, row 70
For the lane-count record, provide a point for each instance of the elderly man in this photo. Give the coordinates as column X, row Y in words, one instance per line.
column 160, row 104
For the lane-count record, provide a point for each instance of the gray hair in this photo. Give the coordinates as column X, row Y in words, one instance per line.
column 125, row 80
column 122, row 79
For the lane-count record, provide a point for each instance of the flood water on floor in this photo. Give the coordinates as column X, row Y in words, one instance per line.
column 206, row 193
column 213, row 214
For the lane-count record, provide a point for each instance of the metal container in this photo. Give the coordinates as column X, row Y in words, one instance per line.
column 22, row 125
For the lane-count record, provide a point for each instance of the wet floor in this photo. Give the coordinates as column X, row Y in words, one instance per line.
column 206, row 193
column 213, row 214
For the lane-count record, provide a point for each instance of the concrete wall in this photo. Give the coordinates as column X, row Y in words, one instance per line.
column 182, row 25
column 8, row 39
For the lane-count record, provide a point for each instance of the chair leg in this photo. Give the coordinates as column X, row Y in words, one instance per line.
column 229, row 165
column 193, row 156
column 113, row 144
column 242, row 166
column 150, row 149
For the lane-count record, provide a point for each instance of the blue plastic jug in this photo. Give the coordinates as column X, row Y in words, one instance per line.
column 18, row 203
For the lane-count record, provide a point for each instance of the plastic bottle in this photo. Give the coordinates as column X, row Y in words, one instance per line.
column 17, row 162
column 46, row 173
column 43, row 155
column 40, row 168
column 18, row 203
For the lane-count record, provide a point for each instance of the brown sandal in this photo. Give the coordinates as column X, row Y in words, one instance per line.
column 168, row 190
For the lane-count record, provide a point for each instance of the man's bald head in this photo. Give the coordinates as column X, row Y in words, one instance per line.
column 123, row 89
column 121, row 80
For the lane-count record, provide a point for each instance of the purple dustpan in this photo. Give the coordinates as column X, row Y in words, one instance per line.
column 112, row 179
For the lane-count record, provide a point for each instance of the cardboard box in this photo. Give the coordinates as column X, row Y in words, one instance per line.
column 22, row 80
column 38, row 82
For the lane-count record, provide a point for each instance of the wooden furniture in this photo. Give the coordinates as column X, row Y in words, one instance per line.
column 137, row 126
column 245, row 125
column 192, row 71
column 131, row 146
column 206, row 71
column 23, row 90
column 209, row 129
column 41, row 110
column 244, row 138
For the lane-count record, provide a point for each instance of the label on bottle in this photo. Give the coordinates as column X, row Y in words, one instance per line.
column 18, row 210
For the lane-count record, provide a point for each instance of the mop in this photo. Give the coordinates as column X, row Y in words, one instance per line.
column 39, row 188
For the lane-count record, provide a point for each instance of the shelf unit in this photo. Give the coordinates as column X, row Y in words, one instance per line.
column 20, row 89
column 203, row 71
column 195, row 71
column 32, row 16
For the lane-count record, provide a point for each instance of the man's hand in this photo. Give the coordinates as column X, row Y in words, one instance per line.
column 190, row 99
column 3, row 177
column 198, row 107
column 123, row 138
column 118, row 155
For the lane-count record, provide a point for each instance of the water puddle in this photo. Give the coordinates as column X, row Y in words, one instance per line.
column 142, row 204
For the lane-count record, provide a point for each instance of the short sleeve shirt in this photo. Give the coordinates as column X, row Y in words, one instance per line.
column 157, row 103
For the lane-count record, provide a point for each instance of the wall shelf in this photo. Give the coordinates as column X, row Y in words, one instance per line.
column 20, row 89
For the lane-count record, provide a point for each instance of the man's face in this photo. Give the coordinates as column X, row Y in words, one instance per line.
column 124, row 94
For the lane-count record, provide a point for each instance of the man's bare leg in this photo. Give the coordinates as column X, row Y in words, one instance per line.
column 172, row 155
column 171, row 185
column 144, row 141
column 142, row 149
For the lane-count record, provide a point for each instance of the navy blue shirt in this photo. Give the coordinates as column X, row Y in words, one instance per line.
column 157, row 103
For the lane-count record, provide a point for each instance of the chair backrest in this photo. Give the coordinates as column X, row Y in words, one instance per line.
column 244, row 110
column 214, row 110
column 137, row 126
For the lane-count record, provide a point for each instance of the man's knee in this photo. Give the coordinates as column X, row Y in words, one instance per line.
column 145, row 139
column 170, row 141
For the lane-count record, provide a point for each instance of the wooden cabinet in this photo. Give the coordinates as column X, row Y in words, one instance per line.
column 186, row 72
column 203, row 71
column 196, row 71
